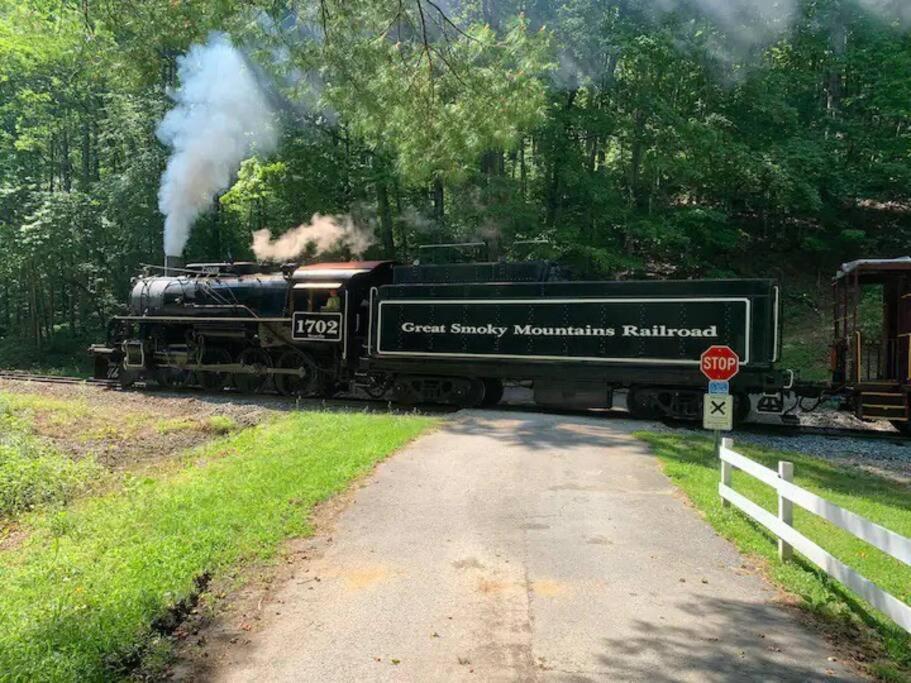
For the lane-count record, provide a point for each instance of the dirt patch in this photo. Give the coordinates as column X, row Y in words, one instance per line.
column 125, row 429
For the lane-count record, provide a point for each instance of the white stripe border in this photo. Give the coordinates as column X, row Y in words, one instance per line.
column 597, row 359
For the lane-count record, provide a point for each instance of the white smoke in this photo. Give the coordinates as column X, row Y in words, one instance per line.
column 744, row 28
column 221, row 116
column 321, row 234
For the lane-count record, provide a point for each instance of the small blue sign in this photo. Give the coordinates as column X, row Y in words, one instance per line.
column 717, row 386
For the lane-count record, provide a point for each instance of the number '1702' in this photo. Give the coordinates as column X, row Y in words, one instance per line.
column 309, row 327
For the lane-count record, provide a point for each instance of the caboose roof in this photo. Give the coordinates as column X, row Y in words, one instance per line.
column 873, row 266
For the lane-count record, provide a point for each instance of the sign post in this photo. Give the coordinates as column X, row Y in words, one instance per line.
column 719, row 364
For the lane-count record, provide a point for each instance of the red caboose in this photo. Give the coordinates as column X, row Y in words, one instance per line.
column 871, row 353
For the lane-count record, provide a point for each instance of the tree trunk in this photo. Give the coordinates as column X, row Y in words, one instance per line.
column 71, row 309
column 523, row 170
column 635, row 193
column 438, row 208
column 385, row 211
column 553, row 189
column 65, row 168
column 86, row 171
column 402, row 224
column 838, row 43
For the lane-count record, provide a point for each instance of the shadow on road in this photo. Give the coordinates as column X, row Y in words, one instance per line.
column 745, row 652
column 536, row 430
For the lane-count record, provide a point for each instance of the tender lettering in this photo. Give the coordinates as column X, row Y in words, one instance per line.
column 528, row 330
column 587, row 331
column 663, row 331
column 491, row 330
column 424, row 329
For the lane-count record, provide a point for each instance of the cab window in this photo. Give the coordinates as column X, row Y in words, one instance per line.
column 317, row 299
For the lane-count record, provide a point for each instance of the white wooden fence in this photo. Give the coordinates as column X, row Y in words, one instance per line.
column 789, row 538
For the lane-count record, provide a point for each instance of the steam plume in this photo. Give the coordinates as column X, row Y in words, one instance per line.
column 220, row 117
column 321, row 234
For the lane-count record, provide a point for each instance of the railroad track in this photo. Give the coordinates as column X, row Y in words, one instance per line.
column 750, row 428
column 765, row 428
column 832, row 432
column 52, row 379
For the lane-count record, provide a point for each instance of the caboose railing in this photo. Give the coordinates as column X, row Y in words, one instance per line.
column 875, row 360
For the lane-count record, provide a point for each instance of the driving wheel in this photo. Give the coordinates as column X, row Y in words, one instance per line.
column 305, row 382
column 256, row 364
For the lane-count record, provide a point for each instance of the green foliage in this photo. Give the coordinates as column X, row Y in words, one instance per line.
column 62, row 354
column 73, row 609
column 691, row 463
column 33, row 473
column 617, row 138
column 436, row 102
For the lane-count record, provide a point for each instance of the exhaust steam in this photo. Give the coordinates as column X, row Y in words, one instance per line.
column 321, row 234
column 221, row 116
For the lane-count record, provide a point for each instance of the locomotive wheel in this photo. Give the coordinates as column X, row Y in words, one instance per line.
column 493, row 391
column 259, row 362
column 742, row 408
column 208, row 379
column 465, row 392
column 126, row 378
column 174, row 378
column 641, row 405
column 304, row 384
column 378, row 386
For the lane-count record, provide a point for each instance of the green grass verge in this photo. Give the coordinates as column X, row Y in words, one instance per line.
column 32, row 473
column 691, row 463
column 79, row 599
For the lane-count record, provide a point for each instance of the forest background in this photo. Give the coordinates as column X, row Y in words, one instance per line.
column 622, row 138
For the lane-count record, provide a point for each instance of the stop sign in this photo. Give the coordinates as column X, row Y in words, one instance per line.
column 719, row 363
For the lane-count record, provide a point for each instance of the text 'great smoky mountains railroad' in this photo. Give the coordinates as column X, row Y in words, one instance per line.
column 569, row 331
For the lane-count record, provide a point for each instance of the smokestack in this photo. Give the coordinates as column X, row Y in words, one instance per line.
column 173, row 265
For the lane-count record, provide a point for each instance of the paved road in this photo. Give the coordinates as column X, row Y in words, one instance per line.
column 525, row 547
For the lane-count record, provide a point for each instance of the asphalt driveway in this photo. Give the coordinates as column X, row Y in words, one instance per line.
column 524, row 546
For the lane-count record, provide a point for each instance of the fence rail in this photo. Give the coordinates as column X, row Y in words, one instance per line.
column 790, row 539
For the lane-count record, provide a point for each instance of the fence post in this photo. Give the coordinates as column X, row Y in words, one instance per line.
column 726, row 468
column 785, row 509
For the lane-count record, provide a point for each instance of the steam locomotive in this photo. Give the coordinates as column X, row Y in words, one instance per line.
column 454, row 333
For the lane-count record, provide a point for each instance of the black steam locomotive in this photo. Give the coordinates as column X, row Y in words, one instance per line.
column 445, row 334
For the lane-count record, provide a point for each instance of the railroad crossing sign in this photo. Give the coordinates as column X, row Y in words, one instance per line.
column 719, row 363
column 718, row 411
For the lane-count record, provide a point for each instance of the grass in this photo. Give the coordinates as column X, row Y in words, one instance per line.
column 64, row 412
column 215, row 424
column 33, row 473
column 116, row 435
column 82, row 595
column 691, row 463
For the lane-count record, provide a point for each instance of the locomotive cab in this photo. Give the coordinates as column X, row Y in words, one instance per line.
column 330, row 303
column 871, row 350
